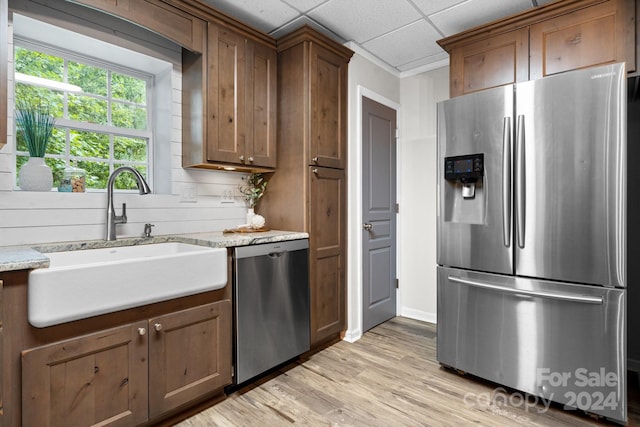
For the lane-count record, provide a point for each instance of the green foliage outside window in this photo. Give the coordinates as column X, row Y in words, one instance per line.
column 102, row 125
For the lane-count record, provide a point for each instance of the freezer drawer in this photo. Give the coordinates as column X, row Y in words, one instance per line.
column 563, row 342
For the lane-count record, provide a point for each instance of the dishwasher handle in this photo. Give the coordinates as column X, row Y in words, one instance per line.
column 270, row 248
column 275, row 254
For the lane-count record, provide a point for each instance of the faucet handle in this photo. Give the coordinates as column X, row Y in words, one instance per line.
column 147, row 229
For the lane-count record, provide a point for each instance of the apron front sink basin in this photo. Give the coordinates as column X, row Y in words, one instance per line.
column 85, row 283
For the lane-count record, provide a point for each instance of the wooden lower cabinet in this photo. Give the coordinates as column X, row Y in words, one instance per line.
column 131, row 374
column 189, row 355
column 327, row 230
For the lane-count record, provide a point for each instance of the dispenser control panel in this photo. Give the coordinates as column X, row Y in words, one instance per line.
column 467, row 168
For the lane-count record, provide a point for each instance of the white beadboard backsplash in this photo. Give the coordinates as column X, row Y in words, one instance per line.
column 45, row 217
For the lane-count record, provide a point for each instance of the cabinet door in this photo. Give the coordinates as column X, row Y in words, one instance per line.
column 166, row 20
column 596, row 35
column 95, row 379
column 189, row 355
column 328, row 115
column 327, row 236
column 225, row 96
column 260, row 144
column 496, row 61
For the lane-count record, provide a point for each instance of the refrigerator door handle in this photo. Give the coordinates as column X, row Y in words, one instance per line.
column 520, row 181
column 506, row 181
column 551, row 295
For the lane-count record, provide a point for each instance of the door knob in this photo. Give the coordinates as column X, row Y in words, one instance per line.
column 367, row 226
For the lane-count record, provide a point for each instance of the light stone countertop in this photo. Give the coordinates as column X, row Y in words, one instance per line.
column 34, row 256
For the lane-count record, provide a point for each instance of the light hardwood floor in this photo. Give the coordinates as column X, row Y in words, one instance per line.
column 390, row 377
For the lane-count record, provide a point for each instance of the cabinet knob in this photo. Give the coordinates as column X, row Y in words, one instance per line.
column 142, row 331
column 251, row 159
column 315, row 171
column 157, row 327
column 367, row 226
column 242, row 158
column 315, row 160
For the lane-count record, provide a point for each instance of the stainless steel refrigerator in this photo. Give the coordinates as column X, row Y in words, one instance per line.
column 532, row 265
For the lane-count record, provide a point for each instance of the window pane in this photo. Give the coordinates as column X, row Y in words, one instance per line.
column 87, row 109
column 90, row 79
column 89, row 144
column 128, row 116
column 57, row 142
column 40, row 97
column 130, row 149
column 97, row 174
column 39, row 64
column 128, row 88
column 57, row 167
column 125, row 180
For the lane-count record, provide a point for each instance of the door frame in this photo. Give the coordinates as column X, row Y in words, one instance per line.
column 354, row 215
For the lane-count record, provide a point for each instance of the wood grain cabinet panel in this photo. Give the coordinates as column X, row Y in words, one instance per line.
column 97, row 379
column 554, row 38
column 229, row 103
column 328, row 228
column 189, row 355
column 186, row 30
column 584, row 38
column 307, row 192
column 328, row 86
column 497, row 61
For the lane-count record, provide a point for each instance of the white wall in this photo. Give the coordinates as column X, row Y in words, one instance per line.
column 417, row 196
column 35, row 217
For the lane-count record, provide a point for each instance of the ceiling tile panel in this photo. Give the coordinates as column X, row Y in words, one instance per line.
column 362, row 20
column 265, row 15
column 472, row 13
column 392, row 47
column 429, row 7
column 304, row 6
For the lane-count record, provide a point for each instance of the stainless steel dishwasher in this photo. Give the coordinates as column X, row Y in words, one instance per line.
column 271, row 306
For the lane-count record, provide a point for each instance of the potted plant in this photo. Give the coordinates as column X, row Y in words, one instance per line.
column 36, row 125
column 252, row 192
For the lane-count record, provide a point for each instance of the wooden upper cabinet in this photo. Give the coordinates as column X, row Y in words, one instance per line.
column 157, row 16
column 260, row 140
column 587, row 37
column 496, row 61
column 554, row 38
column 328, row 95
column 229, row 103
column 225, row 96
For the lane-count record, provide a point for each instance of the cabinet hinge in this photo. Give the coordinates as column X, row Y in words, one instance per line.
column 397, row 207
column 397, row 283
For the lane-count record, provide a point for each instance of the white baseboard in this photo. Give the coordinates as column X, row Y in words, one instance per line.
column 353, row 335
column 423, row 316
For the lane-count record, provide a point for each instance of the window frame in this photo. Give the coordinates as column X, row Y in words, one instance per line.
column 66, row 124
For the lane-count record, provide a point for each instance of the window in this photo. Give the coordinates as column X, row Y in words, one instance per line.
column 101, row 125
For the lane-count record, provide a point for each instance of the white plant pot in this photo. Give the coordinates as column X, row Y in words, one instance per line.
column 250, row 214
column 35, row 175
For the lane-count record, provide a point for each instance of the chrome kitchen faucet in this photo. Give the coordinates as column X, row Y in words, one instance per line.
column 112, row 218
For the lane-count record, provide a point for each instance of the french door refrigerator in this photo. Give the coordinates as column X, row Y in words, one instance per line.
column 532, row 238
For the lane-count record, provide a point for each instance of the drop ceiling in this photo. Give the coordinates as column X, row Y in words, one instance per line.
column 399, row 35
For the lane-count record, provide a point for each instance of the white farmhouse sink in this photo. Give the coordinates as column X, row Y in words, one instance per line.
column 84, row 283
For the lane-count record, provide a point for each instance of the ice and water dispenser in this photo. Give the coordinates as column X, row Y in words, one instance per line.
column 464, row 188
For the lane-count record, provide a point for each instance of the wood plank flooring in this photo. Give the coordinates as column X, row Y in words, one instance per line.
column 390, row 377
